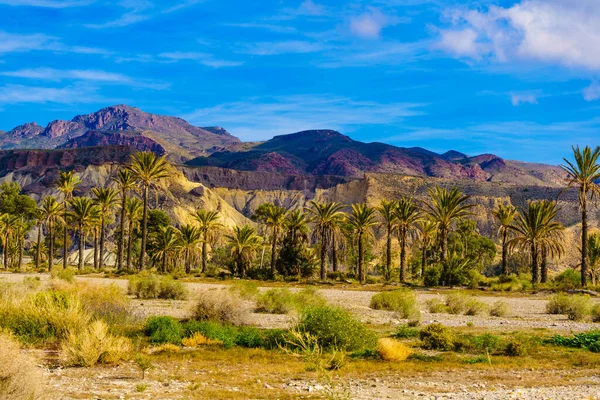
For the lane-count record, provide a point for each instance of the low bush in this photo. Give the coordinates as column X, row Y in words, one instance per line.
column 247, row 290
column 402, row 301
column 576, row 307
column 436, row 306
column 230, row 336
column 393, row 350
column 335, row 328
column 436, row 337
column 284, row 301
column 198, row 339
column 163, row 330
column 595, row 313
column 432, row 276
column 32, row 282
column 167, row 348
column 156, row 287
column 456, row 303
column 94, row 345
column 405, row 332
column 221, row 306
column 558, row 304
column 108, row 303
column 499, row 309
column 20, row 379
column 67, row 275
column 587, row 340
column 516, row 348
column 474, row 307
column 569, row 279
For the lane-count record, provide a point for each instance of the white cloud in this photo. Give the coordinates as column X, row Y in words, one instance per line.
column 206, row 59
column 309, row 7
column 10, row 42
column 16, row 94
column 47, row 3
column 284, row 47
column 518, row 99
column 262, row 118
column 551, row 31
column 592, row 92
column 369, row 24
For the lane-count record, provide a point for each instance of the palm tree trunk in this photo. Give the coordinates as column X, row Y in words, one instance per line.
column 95, row 248
column 187, row 261
column 102, row 229
column 65, row 233
column 129, row 244
column 444, row 244
column 273, row 249
column 544, row 266
column 144, row 229
column 423, row 259
column 534, row 265
column 20, row 261
column 204, row 253
column 388, row 253
column 81, row 240
column 6, row 252
column 164, row 263
column 39, row 250
column 51, row 245
column 402, row 240
column 504, row 253
column 361, row 270
column 584, row 242
column 121, row 232
column 323, row 254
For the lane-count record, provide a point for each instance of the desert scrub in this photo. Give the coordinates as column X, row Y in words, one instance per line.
column 156, row 287
column 595, row 313
column 436, row 337
column 436, row 306
column 558, row 304
column 94, row 345
column 163, row 330
column 336, row 328
column 474, row 307
column 576, row 307
column 20, row 379
column 221, row 306
column 402, row 301
column 198, row 339
column 499, row 309
column 406, row 332
column 247, row 290
column 456, row 303
column 392, row 350
column 284, row 301
column 587, row 340
column 243, row 336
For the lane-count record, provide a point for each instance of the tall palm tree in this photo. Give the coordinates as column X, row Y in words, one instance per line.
column 244, row 243
column 126, row 183
column 389, row 221
column 133, row 212
column 361, row 220
column 583, row 174
column 8, row 226
column 273, row 217
column 165, row 244
column 39, row 222
column 536, row 230
column 427, row 230
column 147, row 168
column 327, row 218
column 208, row 223
column 445, row 208
column 106, row 199
column 66, row 184
column 505, row 214
column 82, row 214
column 21, row 229
column 189, row 237
column 594, row 256
column 296, row 224
column 52, row 212
column 407, row 214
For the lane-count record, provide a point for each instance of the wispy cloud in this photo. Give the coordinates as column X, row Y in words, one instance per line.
column 206, row 59
column 17, row 94
column 47, row 3
column 518, row 99
column 592, row 92
column 57, row 75
column 265, row 26
column 282, row 47
column 264, row 117
column 369, row 24
column 15, row 42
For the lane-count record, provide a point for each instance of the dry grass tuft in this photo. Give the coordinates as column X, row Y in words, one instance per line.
column 167, row 348
column 392, row 350
column 19, row 377
column 94, row 345
column 221, row 306
column 198, row 339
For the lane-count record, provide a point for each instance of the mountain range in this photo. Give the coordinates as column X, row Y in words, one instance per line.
column 313, row 152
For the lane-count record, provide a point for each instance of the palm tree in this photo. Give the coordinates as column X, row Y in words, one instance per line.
column 427, row 230
column 133, row 211
column 52, row 211
column 21, row 229
column 83, row 212
column 327, row 217
column 208, row 223
column 505, row 214
column 296, row 223
column 388, row 215
column 166, row 243
column 445, row 208
column 190, row 237
column 244, row 243
column 594, row 256
column 407, row 214
column 66, row 184
column 106, row 199
column 536, row 231
column 8, row 225
column 147, row 168
column 273, row 217
column 361, row 220
column 39, row 221
column 583, row 174
column 125, row 182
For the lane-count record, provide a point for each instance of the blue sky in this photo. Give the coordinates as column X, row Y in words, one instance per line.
column 520, row 79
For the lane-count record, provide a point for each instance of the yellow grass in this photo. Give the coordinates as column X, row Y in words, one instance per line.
column 392, row 350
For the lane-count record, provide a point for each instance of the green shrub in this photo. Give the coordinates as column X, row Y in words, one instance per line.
column 596, row 313
column 221, row 306
column 474, row 307
column 432, row 276
column 336, row 328
column 212, row 330
column 67, row 275
column 436, row 306
column 558, row 304
column 486, row 343
column 587, row 340
column 284, row 301
column 246, row 289
column 499, row 309
column 402, row 301
column 406, row 332
column 576, row 307
column 163, row 330
column 236, row 336
column 569, row 279
column 107, row 302
column 456, row 303
column 156, row 287
column 436, row 337
column 516, row 348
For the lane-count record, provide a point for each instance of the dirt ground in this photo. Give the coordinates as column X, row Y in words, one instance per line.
column 255, row 373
